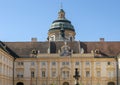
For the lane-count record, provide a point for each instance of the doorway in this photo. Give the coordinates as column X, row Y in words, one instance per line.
column 19, row 83
column 111, row 83
column 65, row 83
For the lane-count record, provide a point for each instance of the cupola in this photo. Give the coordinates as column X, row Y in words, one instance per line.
column 61, row 29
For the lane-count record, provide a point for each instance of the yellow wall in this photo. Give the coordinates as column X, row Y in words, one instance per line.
column 6, row 68
column 95, row 64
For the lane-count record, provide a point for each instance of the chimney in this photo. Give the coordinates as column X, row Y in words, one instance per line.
column 101, row 39
column 33, row 39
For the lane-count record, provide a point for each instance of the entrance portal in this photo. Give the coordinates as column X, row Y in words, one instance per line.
column 65, row 83
column 19, row 83
column 111, row 83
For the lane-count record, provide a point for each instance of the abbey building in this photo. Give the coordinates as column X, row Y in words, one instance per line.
column 54, row 62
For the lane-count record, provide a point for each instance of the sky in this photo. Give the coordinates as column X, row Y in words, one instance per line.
column 21, row 20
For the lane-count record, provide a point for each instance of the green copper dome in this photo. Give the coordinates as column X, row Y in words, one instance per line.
column 61, row 22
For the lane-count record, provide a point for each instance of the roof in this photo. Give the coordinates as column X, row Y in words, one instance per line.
column 61, row 21
column 23, row 49
column 107, row 48
column 8, row 50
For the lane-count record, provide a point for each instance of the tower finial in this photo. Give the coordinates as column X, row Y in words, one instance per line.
column 61, row 14
column 61, row 5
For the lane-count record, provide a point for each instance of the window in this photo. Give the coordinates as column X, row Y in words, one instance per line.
column 98, row 73
column 77, row 63
column 87, row 63
column 43, row 63
column 53, row 63
column 20, row 75
column 98, row 63
column 53, row 73
column 32, row 63
column 32, row 74
column 87, row 73
column 110, row 74
column 20, row 63
column 65, row 74
column 111, row 63
column 65, row 63
column 108, row 63
column 43, row 74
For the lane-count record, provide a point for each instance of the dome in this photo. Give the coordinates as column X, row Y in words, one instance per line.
column 61, row 22
column 61, row 29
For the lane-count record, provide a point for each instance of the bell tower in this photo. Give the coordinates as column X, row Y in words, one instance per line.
column 61, row 29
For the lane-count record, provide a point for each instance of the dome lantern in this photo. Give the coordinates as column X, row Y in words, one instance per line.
column 61, row 14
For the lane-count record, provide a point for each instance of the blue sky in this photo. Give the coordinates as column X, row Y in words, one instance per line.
column 20, row 20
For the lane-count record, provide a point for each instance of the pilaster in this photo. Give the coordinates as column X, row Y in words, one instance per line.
column 118, row 69
column 92, row 72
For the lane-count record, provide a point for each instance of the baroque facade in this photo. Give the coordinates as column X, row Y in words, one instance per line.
column 54, row 62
